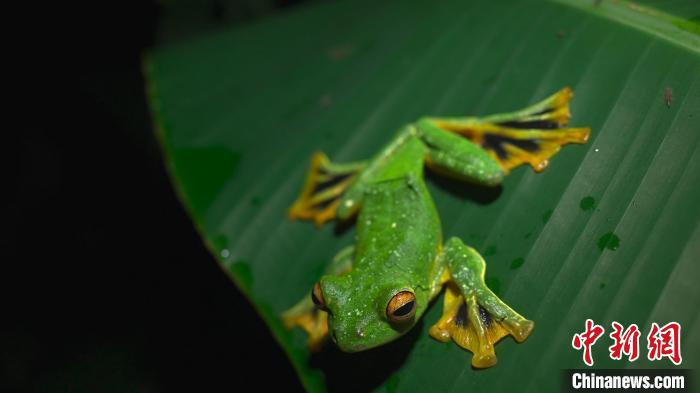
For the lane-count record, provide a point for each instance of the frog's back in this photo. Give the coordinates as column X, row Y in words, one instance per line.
column 398, row 229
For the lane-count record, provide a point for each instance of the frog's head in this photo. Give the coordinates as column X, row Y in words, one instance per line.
column 364, row 314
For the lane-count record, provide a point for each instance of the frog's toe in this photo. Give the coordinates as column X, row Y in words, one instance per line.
column 473, row 328
column 520, row 330
column 323, row 190
column 314, row 322
column 484, row 360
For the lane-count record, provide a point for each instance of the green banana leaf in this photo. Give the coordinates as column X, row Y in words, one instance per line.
column 609, row 231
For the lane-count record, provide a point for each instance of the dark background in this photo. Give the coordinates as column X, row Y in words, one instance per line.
column 106, row 285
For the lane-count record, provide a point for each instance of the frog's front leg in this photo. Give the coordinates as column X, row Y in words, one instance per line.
column 473, row 316
column 329, row 191
column 528, row 136
column 307, row 315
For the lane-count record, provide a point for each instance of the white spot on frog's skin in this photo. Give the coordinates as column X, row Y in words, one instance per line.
column 368, row 222
column 393, row 225
column 360, row 333
column 349, row 203
column 225, row 253
column 596, row 150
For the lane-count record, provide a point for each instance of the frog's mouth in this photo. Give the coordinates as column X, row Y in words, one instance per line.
column 344, row 346
column 365, row 338
column 350, row 347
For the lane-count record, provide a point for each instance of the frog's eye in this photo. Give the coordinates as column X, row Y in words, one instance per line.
column 317, row 297
column 401, row 307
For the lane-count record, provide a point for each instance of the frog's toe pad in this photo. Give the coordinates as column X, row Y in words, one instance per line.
column 314, row 323
column 520, row 330
column 477, row 331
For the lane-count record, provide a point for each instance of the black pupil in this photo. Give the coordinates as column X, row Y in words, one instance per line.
column 405, row 309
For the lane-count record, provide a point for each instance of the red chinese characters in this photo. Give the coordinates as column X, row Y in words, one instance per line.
column 586, row 340
column 626, row 341
column 662, row 342
column 665, row 342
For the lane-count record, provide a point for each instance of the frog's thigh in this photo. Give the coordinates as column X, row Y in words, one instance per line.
column 342, row 261
column 473, row 316
column 306, row 315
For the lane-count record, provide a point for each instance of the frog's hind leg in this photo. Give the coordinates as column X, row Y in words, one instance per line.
column 310, row 318
column 528, row 136
column 325, row 184
column 473, row 316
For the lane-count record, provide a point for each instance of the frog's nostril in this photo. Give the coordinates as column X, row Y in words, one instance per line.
column 335, row 337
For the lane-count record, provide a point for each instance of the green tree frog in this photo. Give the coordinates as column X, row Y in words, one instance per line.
column 374, row 291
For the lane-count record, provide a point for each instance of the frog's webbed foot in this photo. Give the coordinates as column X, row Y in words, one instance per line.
column 473, row 316
column 472, row 327
column 528, row 136
column 307, row 315
column 325, row 184
column 311, row 319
